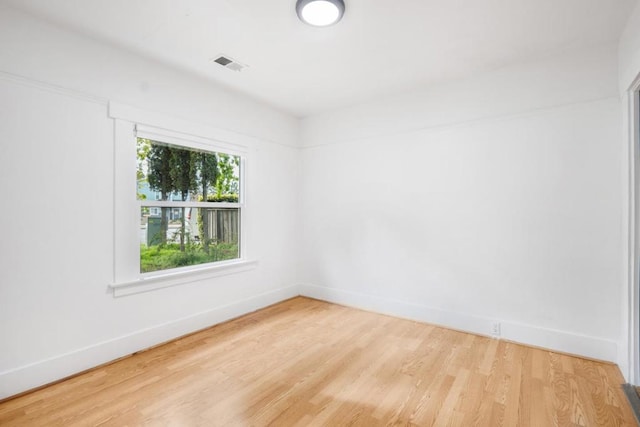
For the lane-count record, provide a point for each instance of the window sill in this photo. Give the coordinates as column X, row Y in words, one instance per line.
column 159, row 281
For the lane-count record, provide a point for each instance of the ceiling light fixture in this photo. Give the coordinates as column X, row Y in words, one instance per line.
column 320, row 13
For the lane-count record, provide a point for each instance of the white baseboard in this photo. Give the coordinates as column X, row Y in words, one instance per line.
column 46, row 371
column 562, row 341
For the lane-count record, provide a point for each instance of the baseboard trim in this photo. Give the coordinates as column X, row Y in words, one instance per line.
column 556, row 340
column 34, row 375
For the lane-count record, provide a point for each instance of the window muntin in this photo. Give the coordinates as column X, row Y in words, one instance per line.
column 190, row 206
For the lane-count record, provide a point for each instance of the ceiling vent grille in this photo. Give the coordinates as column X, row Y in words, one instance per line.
column 230, row 63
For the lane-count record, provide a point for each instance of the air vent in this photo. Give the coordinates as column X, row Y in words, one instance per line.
column 223, row 61
column 228, row 62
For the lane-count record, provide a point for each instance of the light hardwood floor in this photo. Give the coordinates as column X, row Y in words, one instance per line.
column 305, row 362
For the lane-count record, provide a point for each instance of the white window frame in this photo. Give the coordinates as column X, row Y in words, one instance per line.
column 129, row 124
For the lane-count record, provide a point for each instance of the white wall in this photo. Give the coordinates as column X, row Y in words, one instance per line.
column 57, row 315
column 494, row 199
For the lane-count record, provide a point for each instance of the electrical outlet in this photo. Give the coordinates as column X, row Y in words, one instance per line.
column 495, row 329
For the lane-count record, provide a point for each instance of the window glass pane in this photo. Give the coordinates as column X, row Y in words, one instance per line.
column 173, row 173
column 180, row 237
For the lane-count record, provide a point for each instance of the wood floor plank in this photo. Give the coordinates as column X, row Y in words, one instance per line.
column 309, row 363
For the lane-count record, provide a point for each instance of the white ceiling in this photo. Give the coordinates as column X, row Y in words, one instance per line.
column 379, row 48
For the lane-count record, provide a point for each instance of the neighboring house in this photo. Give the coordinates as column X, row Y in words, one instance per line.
column 145, row 192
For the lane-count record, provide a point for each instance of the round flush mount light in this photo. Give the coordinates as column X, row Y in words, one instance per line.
column 320, row 13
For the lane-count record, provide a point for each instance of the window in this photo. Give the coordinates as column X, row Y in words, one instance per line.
column 189, row 205
column 179, row 201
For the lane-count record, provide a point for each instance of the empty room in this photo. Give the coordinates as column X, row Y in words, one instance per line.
column 319, row 212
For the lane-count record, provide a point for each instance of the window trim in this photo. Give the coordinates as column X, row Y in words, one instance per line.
column 632, row 309
column 182, row 276
column 129, row 124
column 175, row 204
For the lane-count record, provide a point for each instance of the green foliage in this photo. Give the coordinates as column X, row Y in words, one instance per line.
column 227, row 181
column 163, row 257
column 142, row 152
column 159, row 177
column 229, row 198
column 183, row 171
column 208, row 166
column 170, row 169
column 159, row 169
column 183, row 177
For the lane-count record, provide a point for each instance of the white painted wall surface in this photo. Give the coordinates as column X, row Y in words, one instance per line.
column 526, row 87
column 494, row 199
column 57, row 316
column 41, row 52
